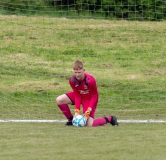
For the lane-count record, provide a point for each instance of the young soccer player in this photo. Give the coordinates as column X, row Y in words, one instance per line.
column 84, row 94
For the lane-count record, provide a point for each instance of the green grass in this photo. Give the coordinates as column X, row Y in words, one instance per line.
column 128, row 60
column 57, row 141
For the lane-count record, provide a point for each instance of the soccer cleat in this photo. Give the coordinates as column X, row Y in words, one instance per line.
column 69, row 123
column 114, row 121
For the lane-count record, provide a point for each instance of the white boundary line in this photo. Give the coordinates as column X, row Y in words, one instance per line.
column 143, row 121
column 35, row 121
column 59, row 121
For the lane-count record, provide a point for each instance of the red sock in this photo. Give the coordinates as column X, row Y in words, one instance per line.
column 101, row 121
column 66, row 111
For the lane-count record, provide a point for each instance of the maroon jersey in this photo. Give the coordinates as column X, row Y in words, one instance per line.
column 85, row 91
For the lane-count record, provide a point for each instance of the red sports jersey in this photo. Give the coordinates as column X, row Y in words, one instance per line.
column 85, row 91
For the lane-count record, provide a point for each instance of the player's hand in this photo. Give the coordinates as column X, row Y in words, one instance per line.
column 77, row 111
column 87, row 113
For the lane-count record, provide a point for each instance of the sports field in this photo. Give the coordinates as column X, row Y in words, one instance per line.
column 128, row 60
column 56, row 141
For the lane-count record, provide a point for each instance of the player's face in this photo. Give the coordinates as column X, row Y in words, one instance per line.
column 79, row 74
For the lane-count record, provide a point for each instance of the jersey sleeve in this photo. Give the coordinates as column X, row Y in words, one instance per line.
column 77, row 95
column 94, row 93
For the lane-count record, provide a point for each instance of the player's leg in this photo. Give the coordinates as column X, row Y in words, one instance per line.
column 96, row 122
column 100, row 121
column 103, row 120
column 89, row 122
column 62, row 102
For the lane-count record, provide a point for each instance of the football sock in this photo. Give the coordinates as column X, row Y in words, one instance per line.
column 108, row 119
column 101, row 121
column 66, row 111
column 70, row 119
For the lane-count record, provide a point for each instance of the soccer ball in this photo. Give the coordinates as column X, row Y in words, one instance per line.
column 79, row 121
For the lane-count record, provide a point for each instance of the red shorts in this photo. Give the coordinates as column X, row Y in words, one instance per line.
column 85, row 104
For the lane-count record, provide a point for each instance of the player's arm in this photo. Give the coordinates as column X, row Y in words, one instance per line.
column 77, row 98
column 94, row 93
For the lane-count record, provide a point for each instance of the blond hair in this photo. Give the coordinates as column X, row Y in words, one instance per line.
column 78, row 65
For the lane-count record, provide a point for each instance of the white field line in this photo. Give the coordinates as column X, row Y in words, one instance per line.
column 59, row 121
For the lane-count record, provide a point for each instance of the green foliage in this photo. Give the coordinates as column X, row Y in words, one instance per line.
column 24, row 6
column 130, row 10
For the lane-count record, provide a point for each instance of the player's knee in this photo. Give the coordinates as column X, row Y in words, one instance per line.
column 58, row 100
column 89, row 125
column 63, row 99
column 89, row 122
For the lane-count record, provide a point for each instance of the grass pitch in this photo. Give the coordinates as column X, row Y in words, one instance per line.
column 128, row 60
column 57, row 141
